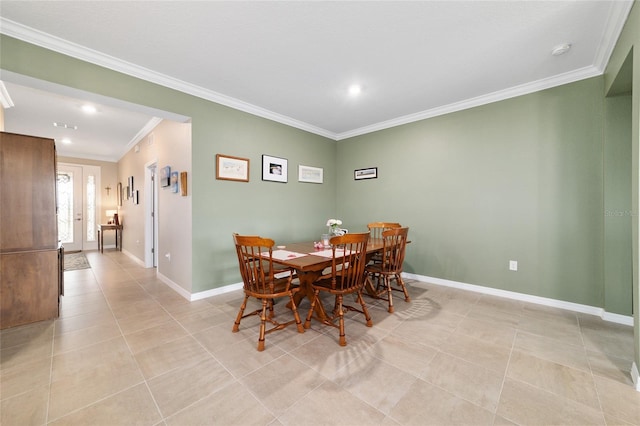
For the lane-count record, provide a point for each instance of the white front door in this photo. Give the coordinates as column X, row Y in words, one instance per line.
column 77, row 206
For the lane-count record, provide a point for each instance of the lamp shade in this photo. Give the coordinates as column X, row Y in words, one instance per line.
column 110, row 213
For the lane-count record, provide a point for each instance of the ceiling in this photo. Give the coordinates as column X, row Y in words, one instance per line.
column 293, row 62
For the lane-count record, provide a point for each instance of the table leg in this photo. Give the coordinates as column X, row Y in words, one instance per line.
column 120, row 233
column 306, row 279
column 100, row 242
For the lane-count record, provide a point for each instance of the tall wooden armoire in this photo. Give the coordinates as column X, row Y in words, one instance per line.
column 31, row 258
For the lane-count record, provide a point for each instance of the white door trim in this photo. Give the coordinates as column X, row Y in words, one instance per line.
column 150, row 223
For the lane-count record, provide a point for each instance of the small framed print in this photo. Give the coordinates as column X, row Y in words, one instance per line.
column 165, row 176
column 232, row 168
column 370, row 173
column 174, row 181
column 274, row 169
column 119, row 194
column 310, row 174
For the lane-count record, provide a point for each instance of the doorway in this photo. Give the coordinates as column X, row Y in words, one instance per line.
column 77, row 206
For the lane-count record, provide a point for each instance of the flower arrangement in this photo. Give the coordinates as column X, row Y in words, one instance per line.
column 333, row 225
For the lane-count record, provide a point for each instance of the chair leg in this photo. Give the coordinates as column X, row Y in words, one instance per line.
column 307, row 323
column 387, row 282
column 236, row 325
column 367, row 317
column 270, row 306
column 400, row 281
column 263, row 325
column 343, row 340
column 296, row 315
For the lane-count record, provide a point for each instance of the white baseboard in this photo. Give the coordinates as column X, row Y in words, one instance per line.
column 216, row 291
column 575, row 307
column 635, row 376
column 131, row 256
column 175, row 287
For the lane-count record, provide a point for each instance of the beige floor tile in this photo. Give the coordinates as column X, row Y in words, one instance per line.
column 475, row 351
column 465, row 380
column 404, row 354
column 149, row 318
column 132, row 406
column 28, row 408
column 609, row 342
column 426, row 404
column 169, row 331
column 25, row 376
column 243, row 358
column 80, row 322
column 290, row 377
column 489, row 332
column 330, row 404
column 179, row 388
column 619, row 400
column 567, row 382
column 375, row 382
column 85, row 376
column 524, row 404
column 568, row 333
column 85, row 337
column 610, row 367
column 570, row 355
column 220, row 337
column 176, row 354
column 214, row 409
column 28, row 352
column 32, row 334
column 201, row 319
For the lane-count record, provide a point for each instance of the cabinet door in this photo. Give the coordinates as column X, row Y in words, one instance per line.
column 29, row 287
column 28, row 193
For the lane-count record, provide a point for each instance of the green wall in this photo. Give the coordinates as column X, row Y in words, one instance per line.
column 622, row 73
column 618, row 265
column 520, row 179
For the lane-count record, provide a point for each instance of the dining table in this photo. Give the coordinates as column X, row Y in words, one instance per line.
column 309, row 262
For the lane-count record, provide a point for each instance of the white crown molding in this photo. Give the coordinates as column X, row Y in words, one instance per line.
column 618, row 15
column 523, row 89
column 151, row 124
column 62, row 153
column 56, row 44
column 615, row 23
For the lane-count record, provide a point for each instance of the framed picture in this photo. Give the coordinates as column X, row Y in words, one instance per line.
column 174, row 182
column 183, row 183
column 232, row 168
column 136, row 197
column 370, row 173
column 130, row 180
column 309, row 174
column 128, row 192
column 165, row 176
column 274, row 169
column 119, row 194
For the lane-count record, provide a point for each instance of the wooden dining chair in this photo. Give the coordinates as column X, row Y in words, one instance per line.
column 346, row 277
column 375, row 233
column 377, row 228
column 259, row 277
column 390, row 266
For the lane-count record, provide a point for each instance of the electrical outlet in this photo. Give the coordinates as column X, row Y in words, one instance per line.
column 168, row 256
column 513, row 265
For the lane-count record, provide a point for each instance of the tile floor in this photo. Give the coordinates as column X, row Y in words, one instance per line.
column 128, row 350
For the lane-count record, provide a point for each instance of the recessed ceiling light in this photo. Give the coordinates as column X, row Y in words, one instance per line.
column 355, row 89
column 64, row 125
column 560, row 49
column 89, row 109
column 66, row 141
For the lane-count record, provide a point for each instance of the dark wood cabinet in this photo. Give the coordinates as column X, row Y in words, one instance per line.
column 31, row 259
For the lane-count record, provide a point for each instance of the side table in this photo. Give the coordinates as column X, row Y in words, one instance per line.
column 109, row 227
